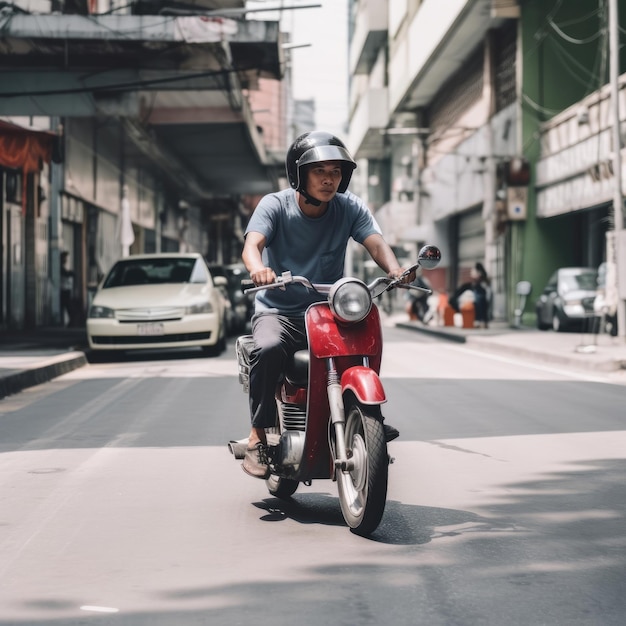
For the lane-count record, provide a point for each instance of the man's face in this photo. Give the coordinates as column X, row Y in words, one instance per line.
column 323, row 180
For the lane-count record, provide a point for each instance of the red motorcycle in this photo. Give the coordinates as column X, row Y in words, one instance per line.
column 328, row 420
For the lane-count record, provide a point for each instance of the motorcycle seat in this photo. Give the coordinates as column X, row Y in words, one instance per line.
column 297, row 369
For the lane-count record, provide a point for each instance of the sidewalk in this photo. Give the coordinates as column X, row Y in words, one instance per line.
column 29, row 358
column 581, row 350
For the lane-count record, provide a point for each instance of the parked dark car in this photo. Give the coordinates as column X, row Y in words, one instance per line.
column 242, row 306
column 567, row 300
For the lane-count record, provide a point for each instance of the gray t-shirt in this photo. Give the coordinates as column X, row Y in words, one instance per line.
column 311, row 247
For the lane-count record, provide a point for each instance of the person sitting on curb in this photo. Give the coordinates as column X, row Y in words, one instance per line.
column 479, row 285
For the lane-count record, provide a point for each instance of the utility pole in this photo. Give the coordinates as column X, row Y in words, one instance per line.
column 618, row 201
column 55, row 236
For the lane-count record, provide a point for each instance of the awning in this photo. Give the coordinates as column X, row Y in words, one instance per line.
column 207, row 159
column 24, row 149
column 223, row 156
column 46, row 57
column 176, row 82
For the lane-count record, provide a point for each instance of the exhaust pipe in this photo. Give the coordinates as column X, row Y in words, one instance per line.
column 238, row 448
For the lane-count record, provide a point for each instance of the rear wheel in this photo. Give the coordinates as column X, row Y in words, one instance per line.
column 363, row 489
column 282, row 488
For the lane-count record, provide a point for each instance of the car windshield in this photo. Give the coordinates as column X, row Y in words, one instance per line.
column 585, row 281
column 155, row 271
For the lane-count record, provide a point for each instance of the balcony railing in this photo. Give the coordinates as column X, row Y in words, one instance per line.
column 369, row 36
column 370, row 116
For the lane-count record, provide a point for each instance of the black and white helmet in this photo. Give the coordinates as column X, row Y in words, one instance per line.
column 314, row 147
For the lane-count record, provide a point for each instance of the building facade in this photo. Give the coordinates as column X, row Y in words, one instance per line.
column 484, row 129
column 147, row 138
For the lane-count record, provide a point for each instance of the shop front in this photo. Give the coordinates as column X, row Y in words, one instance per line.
column 24, row 155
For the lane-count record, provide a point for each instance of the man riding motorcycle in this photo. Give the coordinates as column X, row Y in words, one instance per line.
column 304, row 229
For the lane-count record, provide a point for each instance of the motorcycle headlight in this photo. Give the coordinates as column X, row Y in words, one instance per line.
column 197, row 309
column 350, row 300
column 97, row 311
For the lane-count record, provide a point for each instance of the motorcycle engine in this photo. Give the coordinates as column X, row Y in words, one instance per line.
column 290, row 449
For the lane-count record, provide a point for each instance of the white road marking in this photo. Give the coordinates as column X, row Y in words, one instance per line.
column 99, row 609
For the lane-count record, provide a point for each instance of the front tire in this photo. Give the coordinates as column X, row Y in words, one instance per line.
column 557, row 324
column 363, row 490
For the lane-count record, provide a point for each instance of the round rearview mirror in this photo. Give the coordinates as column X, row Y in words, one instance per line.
column 429, row 257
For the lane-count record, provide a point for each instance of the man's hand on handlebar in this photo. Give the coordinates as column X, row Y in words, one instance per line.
column 264, row 276
column 402, row 275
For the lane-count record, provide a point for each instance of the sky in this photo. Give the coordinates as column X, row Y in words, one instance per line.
column 320, row 71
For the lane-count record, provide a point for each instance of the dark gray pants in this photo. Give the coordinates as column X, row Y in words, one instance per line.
column 275, row 338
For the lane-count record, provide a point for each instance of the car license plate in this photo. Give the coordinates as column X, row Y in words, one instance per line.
column 150, row 329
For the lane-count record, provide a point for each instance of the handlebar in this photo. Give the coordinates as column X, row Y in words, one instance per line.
column 374, row 287
column 428, row 258
column 286, row 278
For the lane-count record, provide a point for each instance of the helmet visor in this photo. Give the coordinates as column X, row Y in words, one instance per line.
column 325, row 153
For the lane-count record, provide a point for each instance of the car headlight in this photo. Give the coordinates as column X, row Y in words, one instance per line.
column 350, row 300
column 573, row 308
column 197, row 309
column 98, row 311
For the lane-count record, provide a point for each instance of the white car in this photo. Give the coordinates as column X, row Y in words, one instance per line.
column 158, row 301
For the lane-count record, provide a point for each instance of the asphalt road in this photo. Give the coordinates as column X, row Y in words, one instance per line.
column 120, row 504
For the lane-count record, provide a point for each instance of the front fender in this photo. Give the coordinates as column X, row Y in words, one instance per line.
column 364, row 383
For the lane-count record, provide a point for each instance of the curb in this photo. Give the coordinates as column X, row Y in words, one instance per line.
column 442, row 334
column 483, row 343
column 56, row 366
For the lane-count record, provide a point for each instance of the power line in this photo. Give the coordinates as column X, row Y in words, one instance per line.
column 128, row 86
column 573, row 40
column 538, row 108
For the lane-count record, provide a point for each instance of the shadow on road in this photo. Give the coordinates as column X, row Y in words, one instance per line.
column 402, row 524
column 550, row 552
